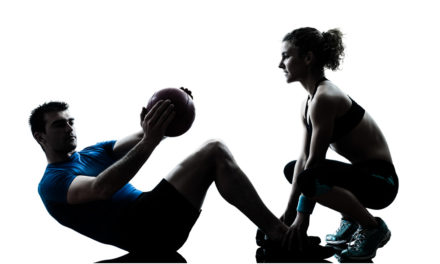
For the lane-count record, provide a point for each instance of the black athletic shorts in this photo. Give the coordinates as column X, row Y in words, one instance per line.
column 159, row 220
column 373, row 182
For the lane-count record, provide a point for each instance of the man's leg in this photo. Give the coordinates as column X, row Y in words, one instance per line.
column 214, row 163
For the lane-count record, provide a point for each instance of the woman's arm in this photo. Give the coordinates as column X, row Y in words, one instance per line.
column 322, row 115
column 290, row 212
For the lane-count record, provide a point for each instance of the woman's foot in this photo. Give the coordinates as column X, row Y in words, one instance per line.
column 366, row 241
column 344, row 233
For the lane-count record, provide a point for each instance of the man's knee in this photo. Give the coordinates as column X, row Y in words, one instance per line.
column 218, row 153
column 215, row 149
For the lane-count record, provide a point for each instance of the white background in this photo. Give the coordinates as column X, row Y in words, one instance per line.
column 106, row 58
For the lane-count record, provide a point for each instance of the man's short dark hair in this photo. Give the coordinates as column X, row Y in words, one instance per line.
column 36, row 120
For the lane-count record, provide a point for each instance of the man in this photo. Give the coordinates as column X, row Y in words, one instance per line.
column 89, row 191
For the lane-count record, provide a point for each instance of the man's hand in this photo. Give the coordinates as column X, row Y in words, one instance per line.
column 296, row 237
column 155, row 122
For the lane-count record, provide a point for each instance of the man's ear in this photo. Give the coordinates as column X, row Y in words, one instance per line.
column 39, row 138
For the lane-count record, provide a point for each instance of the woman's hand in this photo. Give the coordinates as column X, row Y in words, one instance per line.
column 288, row 217
column 296, row 237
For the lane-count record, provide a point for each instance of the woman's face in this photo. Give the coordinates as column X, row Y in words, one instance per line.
column 293, row 65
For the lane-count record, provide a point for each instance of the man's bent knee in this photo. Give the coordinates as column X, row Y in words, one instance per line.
column 215, row 148
column 219, row 153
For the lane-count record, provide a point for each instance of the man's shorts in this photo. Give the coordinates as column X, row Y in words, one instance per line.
column 159, row 220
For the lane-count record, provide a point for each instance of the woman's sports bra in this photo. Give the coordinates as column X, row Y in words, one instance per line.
column 343, row 124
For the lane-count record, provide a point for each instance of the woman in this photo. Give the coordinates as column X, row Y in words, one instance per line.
column 332, row 119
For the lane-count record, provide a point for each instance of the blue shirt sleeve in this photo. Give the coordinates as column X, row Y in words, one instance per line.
column 55, row 185
column 89, row 162
column 107, row 146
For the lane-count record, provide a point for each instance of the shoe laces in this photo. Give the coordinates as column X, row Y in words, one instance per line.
column 342, row 226
column 358, row 239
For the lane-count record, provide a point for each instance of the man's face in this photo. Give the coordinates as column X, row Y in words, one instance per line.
column 60, row 135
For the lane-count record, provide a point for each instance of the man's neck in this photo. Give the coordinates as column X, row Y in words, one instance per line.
column 56, row 157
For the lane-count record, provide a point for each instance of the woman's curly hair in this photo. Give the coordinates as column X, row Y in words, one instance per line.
column 327, row 46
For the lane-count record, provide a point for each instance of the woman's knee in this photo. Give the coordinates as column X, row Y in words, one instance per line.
column 288, row 170
column 310, row 183
column 306, row 183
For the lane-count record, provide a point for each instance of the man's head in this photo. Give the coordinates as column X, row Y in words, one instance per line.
column 52, row 127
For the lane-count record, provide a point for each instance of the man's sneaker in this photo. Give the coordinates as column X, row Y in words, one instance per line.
column 343, row 234
column 366, row 241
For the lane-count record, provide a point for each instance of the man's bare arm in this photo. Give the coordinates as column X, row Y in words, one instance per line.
column 85, row 189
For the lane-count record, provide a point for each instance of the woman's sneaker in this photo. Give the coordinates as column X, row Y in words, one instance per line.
column 343, row 234
column 366, row 241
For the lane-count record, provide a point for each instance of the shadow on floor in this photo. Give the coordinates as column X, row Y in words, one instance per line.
column 273, row 255
column 341, row 260
column 157, row 257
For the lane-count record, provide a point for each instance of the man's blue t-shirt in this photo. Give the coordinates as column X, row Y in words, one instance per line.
column 99, row 220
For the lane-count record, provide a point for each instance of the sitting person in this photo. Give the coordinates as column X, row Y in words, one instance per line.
column 89, row 191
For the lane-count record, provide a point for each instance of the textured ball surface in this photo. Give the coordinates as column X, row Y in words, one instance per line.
column 183, row 106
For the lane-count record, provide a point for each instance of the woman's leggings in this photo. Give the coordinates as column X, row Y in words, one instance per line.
column 373, row 182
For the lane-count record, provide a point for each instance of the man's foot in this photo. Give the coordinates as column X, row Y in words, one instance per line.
column 366, row 241
column 263, row 240
column 272, row 252
column 343, row 234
